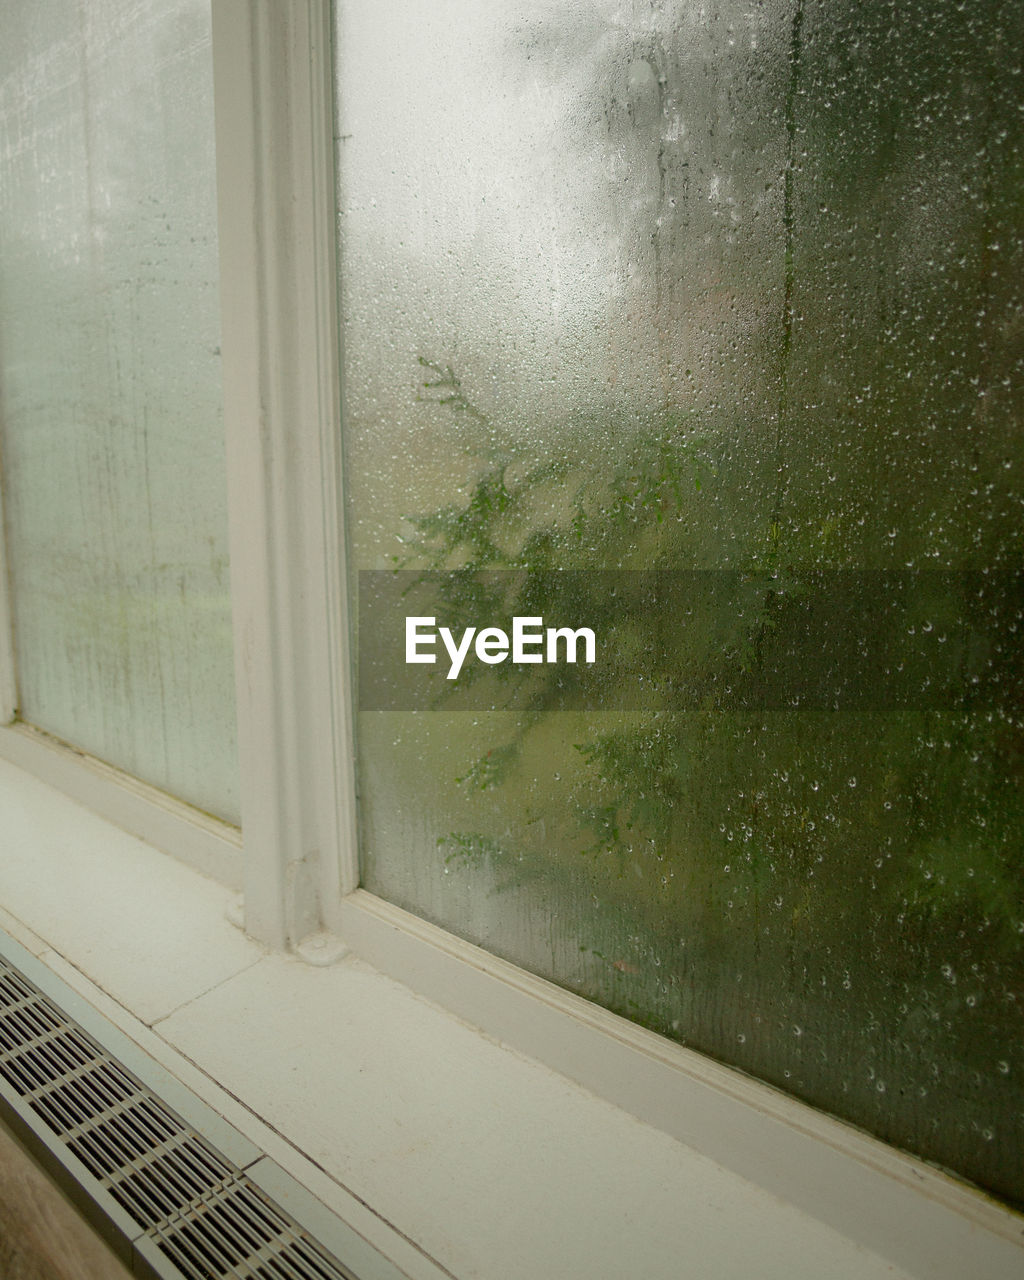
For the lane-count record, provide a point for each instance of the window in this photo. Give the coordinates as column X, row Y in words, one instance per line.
column 707, row 293
column 721, row 294
column 112, row 427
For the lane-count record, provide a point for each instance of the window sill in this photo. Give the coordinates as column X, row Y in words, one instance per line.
column 448, row 1151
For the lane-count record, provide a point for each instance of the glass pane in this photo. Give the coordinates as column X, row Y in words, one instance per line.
column 730, row 295
column 113, row 443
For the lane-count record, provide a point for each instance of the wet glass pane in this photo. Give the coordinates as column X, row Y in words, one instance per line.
column 110, row 393
column 702, row 326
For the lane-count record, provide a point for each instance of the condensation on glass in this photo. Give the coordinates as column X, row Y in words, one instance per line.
column 719, row 287
column 113, row 448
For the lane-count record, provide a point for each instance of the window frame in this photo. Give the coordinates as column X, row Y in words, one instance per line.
column 281, row 368
column 297, row 856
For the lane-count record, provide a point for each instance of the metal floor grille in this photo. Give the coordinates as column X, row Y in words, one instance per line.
column 200, row 1211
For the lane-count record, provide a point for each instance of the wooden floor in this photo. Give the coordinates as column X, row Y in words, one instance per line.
column 42, row 1236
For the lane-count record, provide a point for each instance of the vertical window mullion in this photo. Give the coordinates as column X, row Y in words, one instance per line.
column 272, row 81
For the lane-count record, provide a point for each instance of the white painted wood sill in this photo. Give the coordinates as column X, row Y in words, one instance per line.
column 451, row 1153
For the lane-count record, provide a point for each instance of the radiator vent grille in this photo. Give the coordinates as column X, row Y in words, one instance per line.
column 200, row 1211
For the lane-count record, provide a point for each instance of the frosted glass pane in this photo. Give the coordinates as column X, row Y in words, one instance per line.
column 733, row 292
column 113, row 447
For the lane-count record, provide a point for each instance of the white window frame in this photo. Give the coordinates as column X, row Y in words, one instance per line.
column 297, row 858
